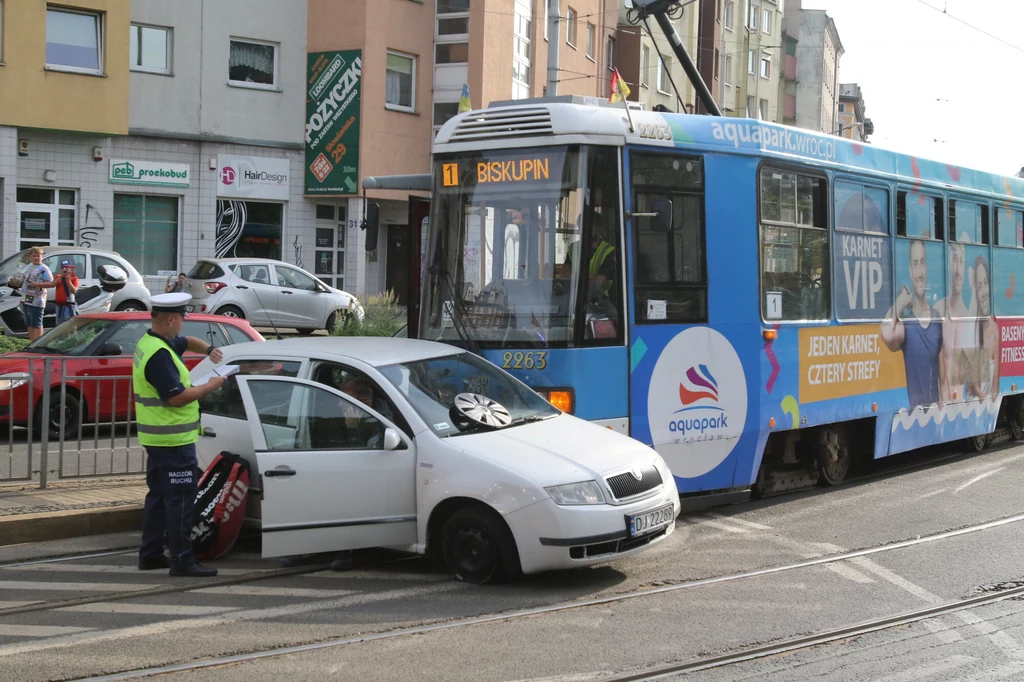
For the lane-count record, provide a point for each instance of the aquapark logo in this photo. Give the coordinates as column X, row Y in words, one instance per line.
column 702, row 390
column 697, row 415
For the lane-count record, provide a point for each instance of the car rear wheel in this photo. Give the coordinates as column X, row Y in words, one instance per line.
column 130, row 307
column 231, row 311
column 478, row 547
column 72, row 406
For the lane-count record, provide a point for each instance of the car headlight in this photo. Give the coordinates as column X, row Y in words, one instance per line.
column 584, row 492
column 9, row 382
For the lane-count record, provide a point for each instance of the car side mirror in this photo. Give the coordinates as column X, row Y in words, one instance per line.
column 392, row 441
column 110, row 348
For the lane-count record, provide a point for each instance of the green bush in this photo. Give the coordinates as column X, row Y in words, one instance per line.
column 9, row 344
column 382, row 316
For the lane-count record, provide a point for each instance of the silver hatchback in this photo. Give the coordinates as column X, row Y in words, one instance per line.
column 267, row 293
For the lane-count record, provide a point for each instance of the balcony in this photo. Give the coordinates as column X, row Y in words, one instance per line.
column 789, row 69
column 789, row 107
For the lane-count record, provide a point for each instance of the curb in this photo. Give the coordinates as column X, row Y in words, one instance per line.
column 69, row 524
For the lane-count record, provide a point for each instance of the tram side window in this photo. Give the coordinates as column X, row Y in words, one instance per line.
column 794, row 246
column 919, row 215
column 968, row 222
column 1009, row 227
column 862, row 252
column 670, row 268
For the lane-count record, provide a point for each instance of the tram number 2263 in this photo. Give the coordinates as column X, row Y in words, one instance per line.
column 524, row 360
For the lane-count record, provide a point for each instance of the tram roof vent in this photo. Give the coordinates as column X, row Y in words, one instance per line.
column 509, row 122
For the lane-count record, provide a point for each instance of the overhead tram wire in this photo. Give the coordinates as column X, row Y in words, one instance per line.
column 972, row 26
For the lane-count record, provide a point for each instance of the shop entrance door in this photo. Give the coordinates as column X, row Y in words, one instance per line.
column 329, row 254
column 396, row 276
column 46, row 217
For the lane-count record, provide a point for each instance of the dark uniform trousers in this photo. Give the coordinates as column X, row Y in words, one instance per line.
column 172, row 475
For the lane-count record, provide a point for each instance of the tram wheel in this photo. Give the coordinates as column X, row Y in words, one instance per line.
column 978, row 443
column 1017, row 422
column 833, row 471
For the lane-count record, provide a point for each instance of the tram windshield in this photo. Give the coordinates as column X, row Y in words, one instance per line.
column 523, row 249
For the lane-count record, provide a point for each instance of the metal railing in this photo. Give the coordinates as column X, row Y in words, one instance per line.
column 57, row 408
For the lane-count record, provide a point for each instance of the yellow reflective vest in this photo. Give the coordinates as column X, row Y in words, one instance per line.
column 160, row 424
column 604, row 250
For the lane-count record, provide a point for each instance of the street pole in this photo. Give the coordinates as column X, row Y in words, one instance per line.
column 553, row 39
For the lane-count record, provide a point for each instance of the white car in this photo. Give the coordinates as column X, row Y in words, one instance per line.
column 446, row 453
column 268, row 293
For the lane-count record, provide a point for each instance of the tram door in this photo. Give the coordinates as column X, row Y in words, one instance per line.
column 683, row 371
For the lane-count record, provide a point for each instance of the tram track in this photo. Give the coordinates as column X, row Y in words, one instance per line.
column 720, row 660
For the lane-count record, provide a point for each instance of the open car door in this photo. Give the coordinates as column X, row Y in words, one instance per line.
column 335, row 474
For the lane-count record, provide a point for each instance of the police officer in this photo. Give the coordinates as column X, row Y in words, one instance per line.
column 167, row 412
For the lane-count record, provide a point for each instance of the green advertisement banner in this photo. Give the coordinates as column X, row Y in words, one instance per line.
column 333, row 81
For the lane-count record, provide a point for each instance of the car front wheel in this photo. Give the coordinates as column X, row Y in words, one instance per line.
column 72, row 407
column 478, row 547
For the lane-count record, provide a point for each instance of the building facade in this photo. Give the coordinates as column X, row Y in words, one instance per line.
column 181, row 137
column 818, row 52
column 853, row 122
column 752, row 59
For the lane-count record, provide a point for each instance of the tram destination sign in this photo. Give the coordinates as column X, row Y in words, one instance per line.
column 504, row 169
column 333, row 82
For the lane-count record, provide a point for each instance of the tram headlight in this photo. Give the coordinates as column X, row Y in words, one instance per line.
column 584, row 492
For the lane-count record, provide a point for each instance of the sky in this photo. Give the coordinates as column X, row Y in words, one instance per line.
column 933, row 86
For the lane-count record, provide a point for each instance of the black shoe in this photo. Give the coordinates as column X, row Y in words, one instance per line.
column 151, row 563
column 194, row 571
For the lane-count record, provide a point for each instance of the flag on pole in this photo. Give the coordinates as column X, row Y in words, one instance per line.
column 620, row 91
column 464, row 104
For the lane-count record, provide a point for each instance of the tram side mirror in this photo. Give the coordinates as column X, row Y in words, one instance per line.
column 663, row 221
column 372, row 225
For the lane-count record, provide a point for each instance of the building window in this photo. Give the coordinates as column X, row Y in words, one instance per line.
column 609, row 54
column 249, row 229
column 452, row 20
column 752, row 13
column 547, row 10
column 728, row 70
column 400, row 82
column 751, row 63
column 46, row 217
column 766, row 22
column 750, row 106
column 1, row 31
column 146, row 231
column 730, row 13
column 645, row 66
column 444, row 111
column 591, row 38
column 447, row 26
column 663, row 69
column 451, row 53
column 74, row 41
column 717, row 62
column 762, row 109
column 521, row 57
column 570, row 27
column 150, row 49
column 252, row 64
column 766, row 65
column 842, row 108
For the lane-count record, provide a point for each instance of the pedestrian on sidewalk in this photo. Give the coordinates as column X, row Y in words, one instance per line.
column 38, row 279
column 65, row 287
column 167, row 413
column 175, row 286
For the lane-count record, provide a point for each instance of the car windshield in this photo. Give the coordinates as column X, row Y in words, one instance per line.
column 71, row 338
column 431, row 385
column 12, row 265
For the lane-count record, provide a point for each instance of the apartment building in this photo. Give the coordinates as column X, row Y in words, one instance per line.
column 165, row 131
column 650, row 67
column 752, row 61
column 814, row 39
column 853, row 123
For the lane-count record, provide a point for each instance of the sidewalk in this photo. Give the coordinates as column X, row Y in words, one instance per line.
column 70, row 508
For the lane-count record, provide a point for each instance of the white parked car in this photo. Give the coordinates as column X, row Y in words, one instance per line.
column 443, row 452
column 133, row 296
column 268, row 293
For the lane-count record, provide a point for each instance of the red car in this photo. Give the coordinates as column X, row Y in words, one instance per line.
column 95, row 352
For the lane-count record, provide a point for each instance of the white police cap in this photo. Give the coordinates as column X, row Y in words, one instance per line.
column 169, row 303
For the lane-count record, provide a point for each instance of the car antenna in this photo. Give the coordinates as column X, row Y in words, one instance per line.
column 273, row 326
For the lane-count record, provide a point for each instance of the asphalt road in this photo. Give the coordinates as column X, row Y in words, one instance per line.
column 691, row 597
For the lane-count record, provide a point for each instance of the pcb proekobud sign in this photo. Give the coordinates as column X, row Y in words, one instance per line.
column 333, row 81
column 123, row 172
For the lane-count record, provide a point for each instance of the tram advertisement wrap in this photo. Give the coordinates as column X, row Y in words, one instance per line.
column 839, row 362
column 1011, row 347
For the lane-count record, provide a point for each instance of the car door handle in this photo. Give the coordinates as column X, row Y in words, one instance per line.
column 280, row 471
column 239, row 286
column 208, row 433
column 286, row 291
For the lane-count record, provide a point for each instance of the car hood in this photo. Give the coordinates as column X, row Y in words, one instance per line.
column 560, row 450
